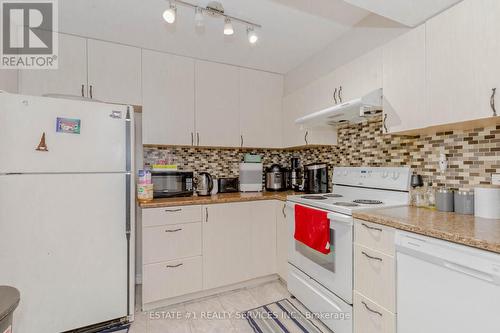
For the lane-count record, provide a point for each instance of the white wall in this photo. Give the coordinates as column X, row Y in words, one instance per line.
column 368, row 34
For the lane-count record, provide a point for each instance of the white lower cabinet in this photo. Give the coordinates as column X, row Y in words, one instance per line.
column 171, row 278
column 372, row 318
column 187, row 249
column 282, row 239
column 374, row 278
column 239, row 242
column 171, row 242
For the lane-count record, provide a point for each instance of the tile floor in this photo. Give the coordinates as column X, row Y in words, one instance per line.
column 214, row 314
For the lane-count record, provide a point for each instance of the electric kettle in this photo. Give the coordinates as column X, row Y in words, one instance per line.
column 205, row 184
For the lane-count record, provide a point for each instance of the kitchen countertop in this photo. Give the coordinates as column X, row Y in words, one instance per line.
column 217, row 198
column 462, row 229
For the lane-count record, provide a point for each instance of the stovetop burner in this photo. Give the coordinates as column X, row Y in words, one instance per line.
column 314, row 197
column 345, row 204
column 333, row 195
column 368, row 202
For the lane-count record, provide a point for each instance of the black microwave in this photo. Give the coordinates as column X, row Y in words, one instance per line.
column 167, row 184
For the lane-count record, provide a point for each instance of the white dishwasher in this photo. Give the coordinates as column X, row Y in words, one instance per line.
column 445, row 287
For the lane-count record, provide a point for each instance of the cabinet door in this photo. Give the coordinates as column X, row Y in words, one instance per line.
column 457, row 64
column 360, row 76
column 293, row 104
column 9, row 80
column 261, row 216
column 404, row 82
column 261, row 95
column 282, row 239
column 114, row 72
column 226, row 245
column 217, row 104
column 69, row 79
column 168, row 99
column 296, row 105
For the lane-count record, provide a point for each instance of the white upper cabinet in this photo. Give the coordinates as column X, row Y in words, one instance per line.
column 360, row 76
column 261, row 96
column 462, row 61
column 69, row 79
column 168, row 99
column 293, row 105
column 114, row 72
column 217, row 104
column 9, row 80
column 404, row 82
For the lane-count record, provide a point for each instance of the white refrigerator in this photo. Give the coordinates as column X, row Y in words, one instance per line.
column 66, row 211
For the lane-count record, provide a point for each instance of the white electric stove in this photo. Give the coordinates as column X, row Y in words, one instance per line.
column 324, row 282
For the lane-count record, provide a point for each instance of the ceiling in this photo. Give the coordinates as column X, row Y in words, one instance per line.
column 408, row 12
column 292, row 30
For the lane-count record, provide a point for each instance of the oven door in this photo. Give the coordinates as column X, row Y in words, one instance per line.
column 334, row 270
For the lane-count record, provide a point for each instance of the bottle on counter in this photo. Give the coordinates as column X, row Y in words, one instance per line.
column 431, row 196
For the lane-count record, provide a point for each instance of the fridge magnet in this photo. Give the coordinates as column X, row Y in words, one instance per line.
column 67, row 125
column 42, row 146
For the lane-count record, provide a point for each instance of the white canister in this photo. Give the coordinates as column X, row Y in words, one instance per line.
column 487, row 202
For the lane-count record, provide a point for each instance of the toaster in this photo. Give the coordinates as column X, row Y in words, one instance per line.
column 228, row 185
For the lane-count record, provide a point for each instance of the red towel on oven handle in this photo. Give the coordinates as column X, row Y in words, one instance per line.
column 312, row 228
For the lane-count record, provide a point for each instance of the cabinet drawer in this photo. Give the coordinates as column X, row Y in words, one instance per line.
column 171, row 278
column 374, row 276
column 371, row 318
column 171, row 242
column 170, row 215
column 374, row 236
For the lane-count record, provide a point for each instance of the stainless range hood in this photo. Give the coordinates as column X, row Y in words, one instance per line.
column 354, row 111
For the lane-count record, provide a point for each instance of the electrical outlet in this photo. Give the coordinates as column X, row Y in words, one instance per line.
column 495, row 179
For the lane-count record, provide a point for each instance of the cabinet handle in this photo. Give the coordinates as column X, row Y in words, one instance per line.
column 371, row 228
column 335, row 95
column 206, row 214
column 83, row 90
column 174, row 266
column 91, row 92
column 173, row 210
column 283, row 211
column 340, row 94
column 370, row 257
column 174, row 230
column 241, row 140
column 197, row 138
column 492, row 101
column 305, row 137
column 384, row 123
column 371, row 310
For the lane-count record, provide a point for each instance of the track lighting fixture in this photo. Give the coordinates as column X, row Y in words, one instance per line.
column 252, row 35
column 213, row 9
column 198, row 17
column 228, row 27
column 170, row 13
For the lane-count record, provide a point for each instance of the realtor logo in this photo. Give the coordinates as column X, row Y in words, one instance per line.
column 29, row 38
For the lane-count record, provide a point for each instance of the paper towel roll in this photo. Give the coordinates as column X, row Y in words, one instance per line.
column 487, row 202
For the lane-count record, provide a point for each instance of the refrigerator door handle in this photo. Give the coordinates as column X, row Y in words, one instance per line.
column 128, row 196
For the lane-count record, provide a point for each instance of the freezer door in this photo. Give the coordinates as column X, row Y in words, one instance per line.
column 63, row 245
column 79, row 136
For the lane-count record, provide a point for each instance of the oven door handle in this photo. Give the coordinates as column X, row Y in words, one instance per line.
column 344, row 219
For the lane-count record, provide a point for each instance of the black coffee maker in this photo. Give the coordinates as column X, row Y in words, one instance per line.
column 316, row 178
column 295, row 174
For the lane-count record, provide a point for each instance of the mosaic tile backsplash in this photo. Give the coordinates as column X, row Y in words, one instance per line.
column 473, row 155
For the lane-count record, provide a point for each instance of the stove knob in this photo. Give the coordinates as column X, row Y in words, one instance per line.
column 385, row 174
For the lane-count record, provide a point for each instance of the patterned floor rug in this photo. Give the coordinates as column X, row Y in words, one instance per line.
column 278, row 317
